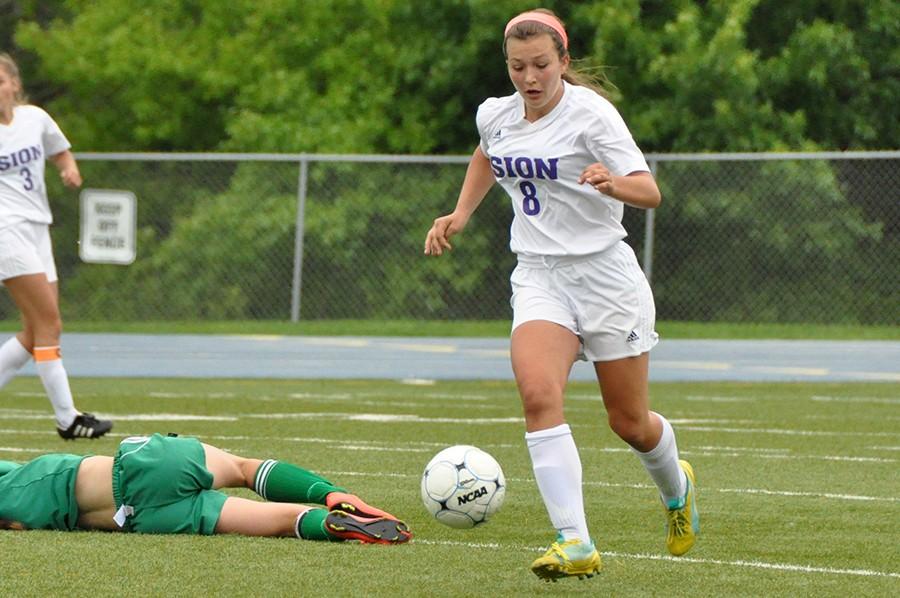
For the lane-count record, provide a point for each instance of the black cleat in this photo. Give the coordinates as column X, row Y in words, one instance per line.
column 85, row 426
column 370, row 530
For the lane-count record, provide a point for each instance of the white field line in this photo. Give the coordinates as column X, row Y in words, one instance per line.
column 787, row 432
column 673, row 559
column 135, row 417
column 386, row 402
column 455, row 397
column 829, row 495
column 418, row 382
column 382, row 396
column 843, row 418
column 375, row 449
column 683, row 421
column 190, row 395
column 790, row 371
column 326, row 396
column 149, row 417
column 738, row 449
column 691, row 452
column 387, row 418
column 876, row 376
column 884, row 400
column 714, row 399
column 504, row 353
column 395, row 403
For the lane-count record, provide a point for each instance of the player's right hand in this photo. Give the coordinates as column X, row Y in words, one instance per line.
column 438, row 237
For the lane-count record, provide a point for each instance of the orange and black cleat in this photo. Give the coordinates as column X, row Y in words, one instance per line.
column 354, row 505
column 369, row 530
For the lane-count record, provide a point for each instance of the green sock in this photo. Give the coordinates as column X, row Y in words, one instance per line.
column 311, row 526
column 285, row 482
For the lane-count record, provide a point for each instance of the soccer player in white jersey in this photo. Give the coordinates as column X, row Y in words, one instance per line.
column 28, row 137
column 568, row 162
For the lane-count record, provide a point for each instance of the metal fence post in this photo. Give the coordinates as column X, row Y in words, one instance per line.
column 297, row 283
column 649, row 231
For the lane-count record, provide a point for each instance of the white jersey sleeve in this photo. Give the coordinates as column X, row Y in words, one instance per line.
column 54, row 140
column 490, row 117
column 608, row 139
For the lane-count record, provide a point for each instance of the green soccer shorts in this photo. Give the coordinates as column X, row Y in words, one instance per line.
column 161, row 486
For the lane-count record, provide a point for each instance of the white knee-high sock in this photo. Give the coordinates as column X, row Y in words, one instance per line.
column 662, row 464
column 13, row 356
column 557, row 470
column 49, row 366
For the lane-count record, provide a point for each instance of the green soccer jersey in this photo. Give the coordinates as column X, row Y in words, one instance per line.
column 40, row 494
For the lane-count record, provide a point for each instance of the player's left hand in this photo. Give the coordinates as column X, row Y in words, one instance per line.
column 71, row 177
column 599, row 177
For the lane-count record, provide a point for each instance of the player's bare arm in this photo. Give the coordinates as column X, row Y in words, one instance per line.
column 68, row 168
column 636, row 189
column 478, row 181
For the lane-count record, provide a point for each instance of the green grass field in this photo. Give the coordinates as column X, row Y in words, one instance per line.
column 798, row 491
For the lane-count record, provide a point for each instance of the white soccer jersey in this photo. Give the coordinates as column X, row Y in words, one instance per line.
column 25, row 144
column 538, row 164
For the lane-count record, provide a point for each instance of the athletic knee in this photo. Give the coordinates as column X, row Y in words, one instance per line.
column 633, row 428
column 47, row 331
column 540, row 398
column 248, row 469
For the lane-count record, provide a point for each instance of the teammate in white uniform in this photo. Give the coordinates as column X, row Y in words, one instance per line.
column 28, row 137
column 569, row 164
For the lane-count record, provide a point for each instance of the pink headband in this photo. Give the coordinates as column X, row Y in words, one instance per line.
column 543, row 19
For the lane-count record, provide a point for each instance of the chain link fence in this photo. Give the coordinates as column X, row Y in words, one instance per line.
column 739, row 238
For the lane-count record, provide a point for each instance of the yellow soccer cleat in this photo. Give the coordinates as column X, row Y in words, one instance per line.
column 682, row 517
column 571, row 558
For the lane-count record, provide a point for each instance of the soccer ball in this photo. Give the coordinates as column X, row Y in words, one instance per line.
column 462, row 486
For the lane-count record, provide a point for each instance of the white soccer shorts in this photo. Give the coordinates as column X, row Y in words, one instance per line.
column 25, row 248
column 603, row 298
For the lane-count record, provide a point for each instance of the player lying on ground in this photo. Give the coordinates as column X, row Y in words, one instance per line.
column 169, row 485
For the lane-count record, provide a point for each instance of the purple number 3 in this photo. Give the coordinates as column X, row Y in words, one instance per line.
column 29, row 184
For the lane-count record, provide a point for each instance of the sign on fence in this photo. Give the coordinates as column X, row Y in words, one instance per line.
column 108, row 226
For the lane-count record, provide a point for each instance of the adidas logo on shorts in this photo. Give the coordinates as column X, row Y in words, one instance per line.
column 632, row 337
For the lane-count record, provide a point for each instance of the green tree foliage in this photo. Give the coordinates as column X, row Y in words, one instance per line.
column 837, row 63
column 405, row 77
column 41, row 89
column 752, row 75
column 285, row 76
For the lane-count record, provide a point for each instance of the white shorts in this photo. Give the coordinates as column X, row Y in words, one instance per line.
column 603, row 298
column 25, row 248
